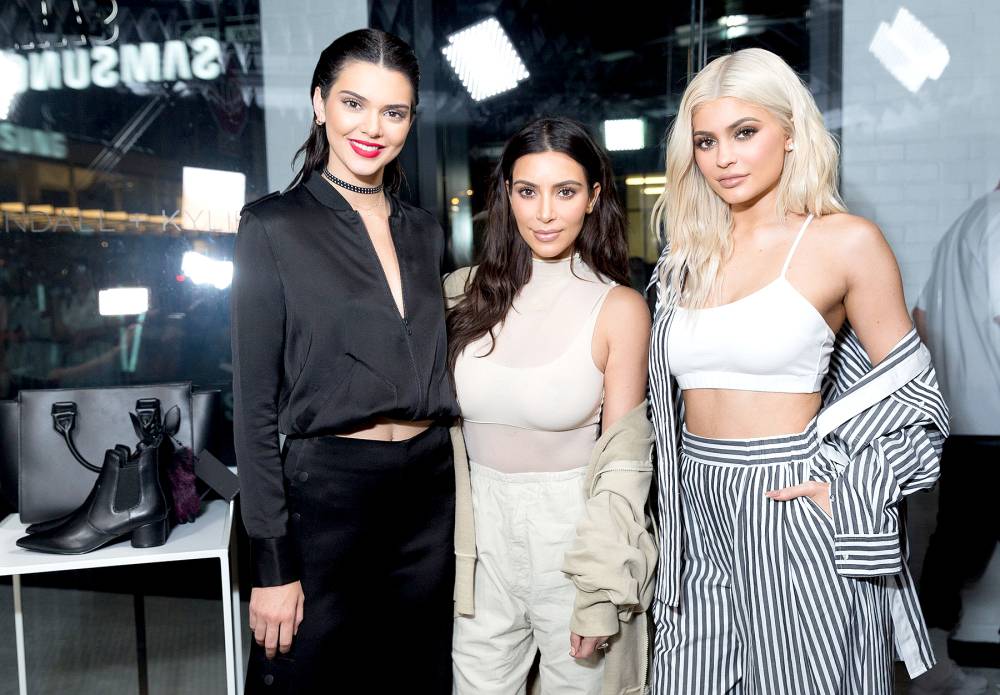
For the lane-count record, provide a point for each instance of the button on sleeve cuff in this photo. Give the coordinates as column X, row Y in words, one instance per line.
column 869, row 555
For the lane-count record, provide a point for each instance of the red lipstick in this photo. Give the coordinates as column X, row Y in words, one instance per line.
column 368, row 150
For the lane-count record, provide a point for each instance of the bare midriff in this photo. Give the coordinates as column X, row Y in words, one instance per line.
column 730, row 414
column 388, row 430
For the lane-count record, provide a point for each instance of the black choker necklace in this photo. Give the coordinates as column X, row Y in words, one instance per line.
column 366, row 190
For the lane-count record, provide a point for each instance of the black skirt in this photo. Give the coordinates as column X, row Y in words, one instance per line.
column 374, row 529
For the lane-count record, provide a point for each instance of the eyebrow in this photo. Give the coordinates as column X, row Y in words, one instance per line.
column 567, row 182
column 732, row 126
column 398, row 107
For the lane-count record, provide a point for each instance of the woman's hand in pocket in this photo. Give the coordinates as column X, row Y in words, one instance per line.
column 275, row 615
column 584, row 647
column 815, row 490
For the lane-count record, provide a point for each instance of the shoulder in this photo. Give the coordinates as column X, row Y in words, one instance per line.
column 625, row 310
column 456, row 281
column 273, row 206
column 851, row 238
column 263, row 203
column 848, row 232
column 991, row 204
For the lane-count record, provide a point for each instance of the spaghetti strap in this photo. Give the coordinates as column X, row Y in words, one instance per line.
column 795, row 244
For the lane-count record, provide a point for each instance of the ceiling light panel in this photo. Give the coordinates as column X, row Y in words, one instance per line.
column 484, row 59
column 624, row 134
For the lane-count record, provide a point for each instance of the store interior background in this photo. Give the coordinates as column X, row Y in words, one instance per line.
column 104, row 185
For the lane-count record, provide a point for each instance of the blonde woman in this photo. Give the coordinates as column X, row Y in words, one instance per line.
column 793, row 404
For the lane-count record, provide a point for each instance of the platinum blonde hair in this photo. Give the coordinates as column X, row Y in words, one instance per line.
column 695, row 221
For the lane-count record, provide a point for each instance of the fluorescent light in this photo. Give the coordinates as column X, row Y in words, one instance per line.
column 207, row 271
column 123, row 301
column 624, row 134
column 212, row 199
column 733, row 20
column 736, row 32
column 654, row 190
column 909, row 50
column 645, row 180
column 484, row 59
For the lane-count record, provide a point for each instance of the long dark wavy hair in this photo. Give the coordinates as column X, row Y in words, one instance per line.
column 505, row 260
column 367, row 46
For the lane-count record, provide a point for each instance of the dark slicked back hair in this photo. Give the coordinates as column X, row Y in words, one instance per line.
column 366, row 46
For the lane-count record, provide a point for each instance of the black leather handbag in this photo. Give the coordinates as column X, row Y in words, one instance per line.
column 52, row 442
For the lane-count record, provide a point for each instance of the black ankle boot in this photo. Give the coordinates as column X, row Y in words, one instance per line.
column 46, row 525
column 40, row 526
column 149, row 428
column 126, row 499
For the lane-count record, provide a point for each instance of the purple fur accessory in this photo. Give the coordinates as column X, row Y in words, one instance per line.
column 186, row 502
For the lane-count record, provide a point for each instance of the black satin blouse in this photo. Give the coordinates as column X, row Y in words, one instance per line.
column 319, row 346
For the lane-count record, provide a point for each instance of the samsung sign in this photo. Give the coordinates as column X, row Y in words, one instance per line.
column 107, row 66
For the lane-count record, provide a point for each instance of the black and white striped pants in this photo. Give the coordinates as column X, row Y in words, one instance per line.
column 763, row 610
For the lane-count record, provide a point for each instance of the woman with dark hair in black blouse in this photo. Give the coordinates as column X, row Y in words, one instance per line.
column 339, row 344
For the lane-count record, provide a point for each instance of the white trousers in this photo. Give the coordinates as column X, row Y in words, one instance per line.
column 525, row 523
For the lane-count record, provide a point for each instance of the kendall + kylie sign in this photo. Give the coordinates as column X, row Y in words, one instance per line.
column 107, row 66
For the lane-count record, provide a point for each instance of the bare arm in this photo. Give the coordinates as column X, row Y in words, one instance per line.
column 623, row 349
column 876, row 309
column 874, row 300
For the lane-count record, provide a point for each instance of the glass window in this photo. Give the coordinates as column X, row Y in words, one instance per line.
column 131, row 134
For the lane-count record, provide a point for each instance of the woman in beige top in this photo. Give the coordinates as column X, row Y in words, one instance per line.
column 548, row 346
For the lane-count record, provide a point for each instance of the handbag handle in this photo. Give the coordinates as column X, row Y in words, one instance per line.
column 63, row 420
column 146, row 421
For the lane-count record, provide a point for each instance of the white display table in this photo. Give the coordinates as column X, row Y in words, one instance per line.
column 211, row 536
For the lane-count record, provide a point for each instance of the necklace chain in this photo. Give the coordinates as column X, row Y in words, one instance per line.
column 365, row 190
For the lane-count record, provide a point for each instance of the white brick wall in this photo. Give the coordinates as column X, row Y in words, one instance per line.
column 913, row 162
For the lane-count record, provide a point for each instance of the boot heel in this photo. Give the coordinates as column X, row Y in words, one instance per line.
column 150, row 535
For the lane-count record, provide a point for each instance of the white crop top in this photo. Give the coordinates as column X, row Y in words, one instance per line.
column 534, row 402
column 773, row 339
